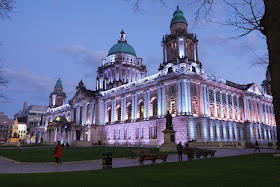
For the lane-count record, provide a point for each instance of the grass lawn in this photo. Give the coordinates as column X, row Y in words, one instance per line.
column 246, row 170
column 68, row 153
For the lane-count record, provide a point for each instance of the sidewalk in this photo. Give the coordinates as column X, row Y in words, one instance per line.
column 10, row 166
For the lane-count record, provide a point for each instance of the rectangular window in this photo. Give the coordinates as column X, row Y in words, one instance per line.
column 137, row 133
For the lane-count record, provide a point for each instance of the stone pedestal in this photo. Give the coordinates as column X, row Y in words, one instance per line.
column 169, row 144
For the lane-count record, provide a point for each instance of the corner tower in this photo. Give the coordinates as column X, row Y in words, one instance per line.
column 120, row 67
column 266, row 84
column 180, row 46
column 57, row 97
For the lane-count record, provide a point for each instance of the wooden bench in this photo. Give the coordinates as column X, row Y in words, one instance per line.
column 153, row 157
column 162, row 156
column 150, row 156
column 200, row 152
column 204, row 153
column 138, row 152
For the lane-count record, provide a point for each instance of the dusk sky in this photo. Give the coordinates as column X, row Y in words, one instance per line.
column 46, row 40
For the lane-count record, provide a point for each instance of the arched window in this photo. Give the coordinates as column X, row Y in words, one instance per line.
column 194, row 105
column 129, row 112
column 109, row 114
column 155, row 107
column 172, row 106
column 81, row 115
column 141, row 109
column 87, row 114
column 119, row 112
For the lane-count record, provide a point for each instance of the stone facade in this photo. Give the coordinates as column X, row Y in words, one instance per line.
column 129, row 109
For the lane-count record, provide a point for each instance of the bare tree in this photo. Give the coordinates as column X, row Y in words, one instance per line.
column 6, row 6
column 245, row 16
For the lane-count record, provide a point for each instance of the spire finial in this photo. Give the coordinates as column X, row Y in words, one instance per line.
column 122, row 37
column 177, row 7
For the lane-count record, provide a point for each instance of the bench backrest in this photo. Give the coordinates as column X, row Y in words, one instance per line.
column 141, row 151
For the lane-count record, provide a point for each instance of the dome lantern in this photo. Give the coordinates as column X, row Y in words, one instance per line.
column 122, row 46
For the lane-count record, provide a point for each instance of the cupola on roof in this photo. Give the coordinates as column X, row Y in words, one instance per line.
column 178, row 17
column 122, row 46
column 58, row 84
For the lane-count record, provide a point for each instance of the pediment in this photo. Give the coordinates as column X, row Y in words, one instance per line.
column 254, row 89
column 80, row 95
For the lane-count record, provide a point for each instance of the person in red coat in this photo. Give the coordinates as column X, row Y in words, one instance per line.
column 57, row 153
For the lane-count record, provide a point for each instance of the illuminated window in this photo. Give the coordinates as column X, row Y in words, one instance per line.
column 129, row 111
column 109, row 113
column 155, row 107
column 119, row 112
column 172, row 106
column 194, row 106
column 141, row 107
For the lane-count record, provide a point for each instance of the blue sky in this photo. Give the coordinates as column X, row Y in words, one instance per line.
column 46, row 40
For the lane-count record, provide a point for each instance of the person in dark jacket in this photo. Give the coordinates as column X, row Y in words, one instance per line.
column 57, row 153
column 180, row 151
column 257, row 146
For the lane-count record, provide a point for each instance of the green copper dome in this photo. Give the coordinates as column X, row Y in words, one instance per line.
column 58, row 84
column 178, row 17
column 122, row 47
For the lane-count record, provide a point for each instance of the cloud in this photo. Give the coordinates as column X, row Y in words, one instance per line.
column 88, row 61
column 25, row 81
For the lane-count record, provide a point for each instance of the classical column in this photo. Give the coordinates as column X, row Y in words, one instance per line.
column 163, row 102
column 188, row 98
column 105, row 112
column 208, row 102
column 123, row 107
column 257, row 111
column 253, row 108
column 93, row 113
column 232, row 104
column 184, row 96
column 248, row 109
column 238, row 109
column 84, row 114
column 222, row 104
column 146, row 104
column 215, row 102
column 159, row 101
column 262, row 114
column 201, row 99
column 113, row 110
column 179, row 97
column 228, row 116
column 134, row 106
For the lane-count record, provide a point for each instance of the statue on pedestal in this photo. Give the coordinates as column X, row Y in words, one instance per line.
column 169, row 125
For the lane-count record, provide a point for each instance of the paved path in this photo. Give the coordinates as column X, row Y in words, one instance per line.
column 10, row 166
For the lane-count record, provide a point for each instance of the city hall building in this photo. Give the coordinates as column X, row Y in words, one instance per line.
column 128, row 108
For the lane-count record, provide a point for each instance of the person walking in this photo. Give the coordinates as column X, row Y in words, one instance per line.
column 180, row 151
column 257, row 146
column 57, row 153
